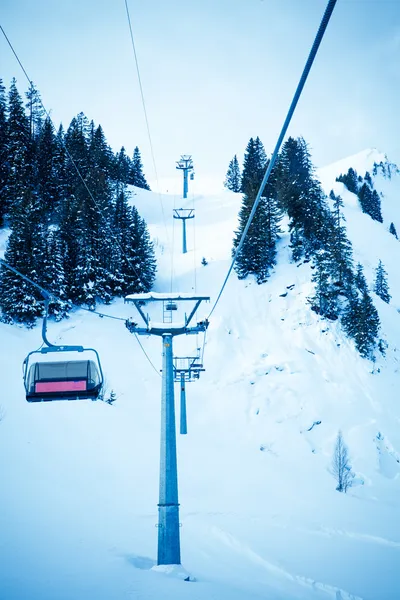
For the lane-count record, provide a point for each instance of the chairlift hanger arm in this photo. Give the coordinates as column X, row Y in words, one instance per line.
column 44, row 322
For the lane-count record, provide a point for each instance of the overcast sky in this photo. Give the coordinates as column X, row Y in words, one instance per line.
column 214, row 73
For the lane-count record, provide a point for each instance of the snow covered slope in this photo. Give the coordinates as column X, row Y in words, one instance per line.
column 259, row 511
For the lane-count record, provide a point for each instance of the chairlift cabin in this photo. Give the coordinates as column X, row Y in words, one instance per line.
column 62, row 372
column 170, row 305
column 192, row 175
column 62, row 379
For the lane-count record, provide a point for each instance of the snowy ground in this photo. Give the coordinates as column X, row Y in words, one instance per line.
column 259, row 511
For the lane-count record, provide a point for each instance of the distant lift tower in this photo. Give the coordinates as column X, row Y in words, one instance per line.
column 184, row 214
column 169, row 552
column 187, row 368
column 185, row 164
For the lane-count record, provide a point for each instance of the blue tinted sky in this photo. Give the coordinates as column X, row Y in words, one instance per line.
column 214, row 73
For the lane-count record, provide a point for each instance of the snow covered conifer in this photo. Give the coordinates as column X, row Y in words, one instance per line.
column 111, row 398
column 368, row 179
column 19, row 300
column 301, row 195
column 257, row 255
column 368, row 326
column 254, row 165
column 258, row 252
column 233, row 176
column 36, row 113
column 141, row 266
column 381, row 287
column 47, row 172
column 376, row 212
column 339, row 245
column 341, row 467
column 52, row 276
column 360, row 318
column 350, row 180
column 137, row 177
column 273, row 216
column 370, row 202
column 19, row 173
column 359, row 279
column 122, row 167
column 324, row 302
column 392, row 230
column 4, row 166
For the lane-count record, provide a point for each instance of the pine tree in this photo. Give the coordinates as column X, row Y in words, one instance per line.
column 76, row 142
column 350, row 180
column 19, row 300
column 381, row 287
column 233, row 176
column 324, row 302
column 122, row 167
column 360, row 319
column 392, row 230
column 111, row 398
column 359, row 279
column 339, row 245
column 257, row 255
column 135, row 264
column 141, row 266
column 273, row 216
column 4, row 153
column 368, row 179
column 19, row 174
column 48, row 174
column 52, row 276
column 301, row 195
column 341, row 468
column 370, row 202
column 376, row 213
column 254, row 165
column 36, row 112
column 137, row 177
column 61, row 169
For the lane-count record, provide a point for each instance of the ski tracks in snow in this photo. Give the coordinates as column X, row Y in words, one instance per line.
column 250, row 555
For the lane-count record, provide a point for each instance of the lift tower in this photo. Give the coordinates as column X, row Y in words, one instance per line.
column 185, row 164
column 168, row 507
column 186, row 368
column 183, row 214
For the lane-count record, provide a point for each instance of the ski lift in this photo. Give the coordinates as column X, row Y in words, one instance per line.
column 61, row 379
column 192, row 175
column 170, row 305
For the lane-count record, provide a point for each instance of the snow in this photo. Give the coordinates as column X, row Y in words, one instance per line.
column 4, row 234
column 361, row 162
column 260, row 515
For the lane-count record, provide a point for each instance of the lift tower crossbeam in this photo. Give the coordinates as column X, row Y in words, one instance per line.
column 183, row 214
column 185, row 164
column 168, row 507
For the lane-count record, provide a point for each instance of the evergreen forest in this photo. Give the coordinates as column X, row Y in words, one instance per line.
column 317, row 235
column 64, row 197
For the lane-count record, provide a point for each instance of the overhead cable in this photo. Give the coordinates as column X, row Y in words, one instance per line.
column 296, row 97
